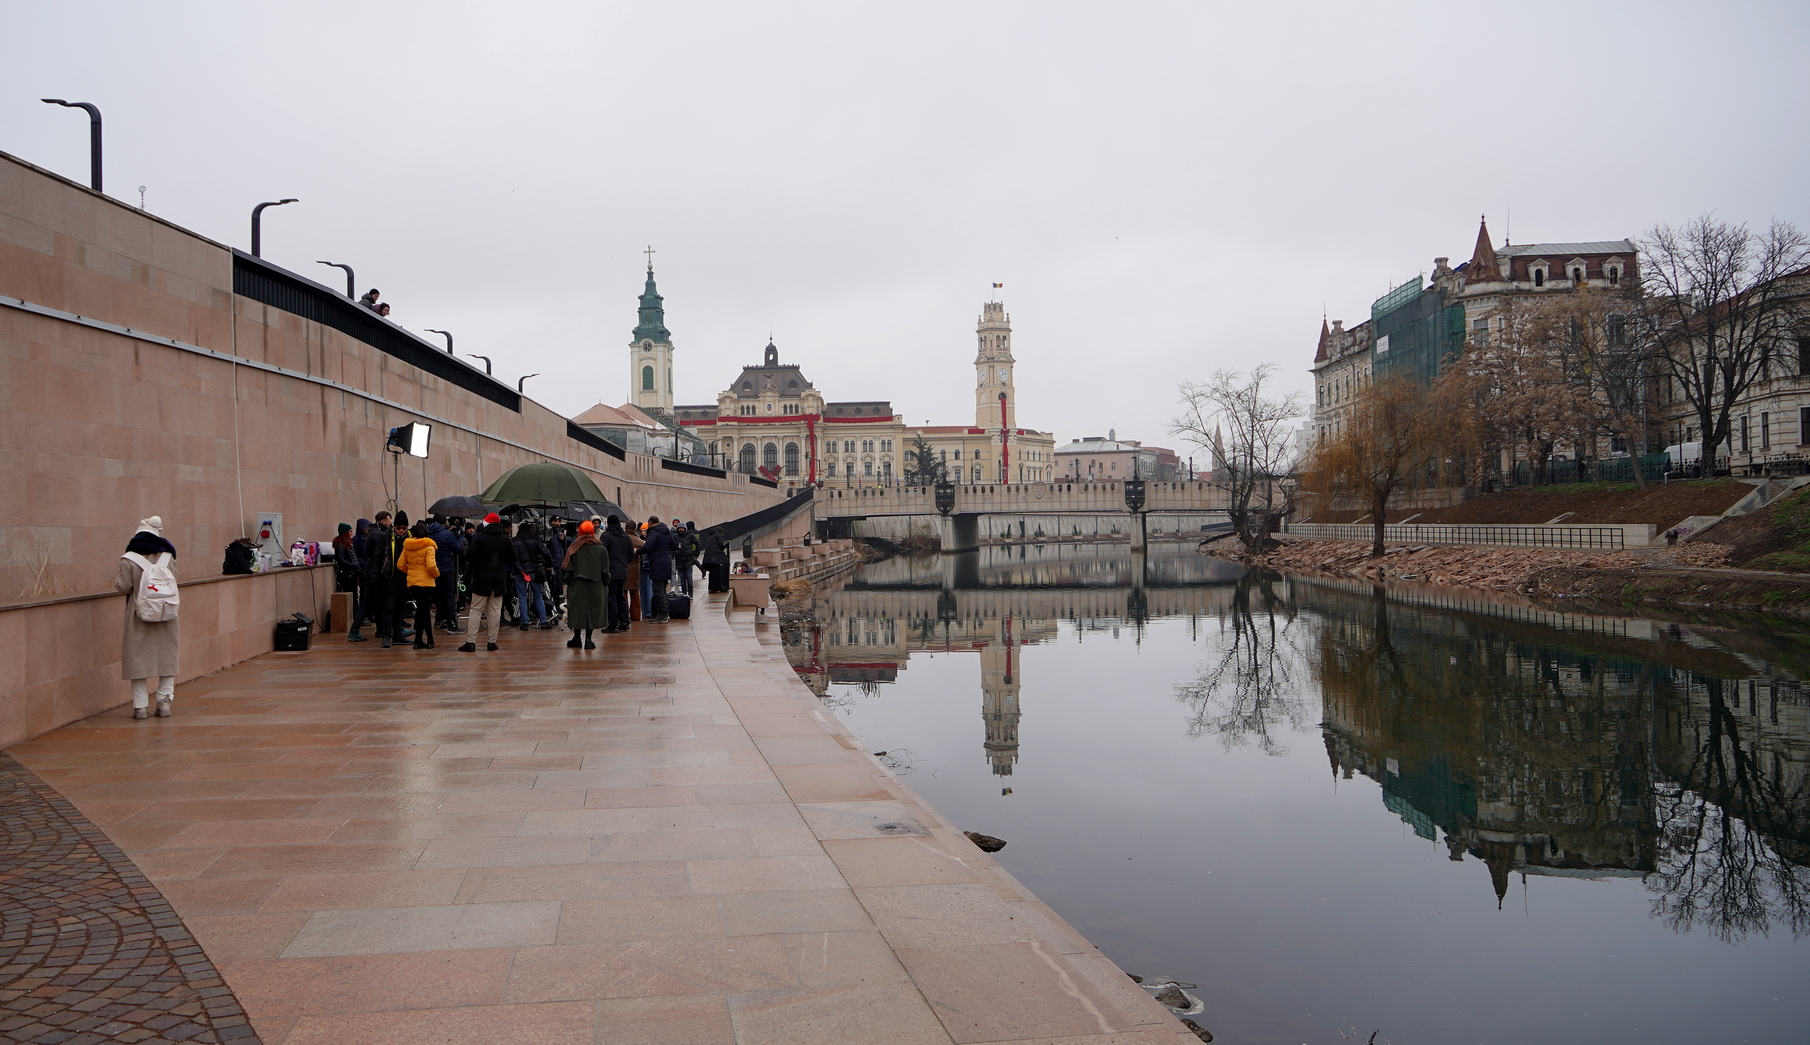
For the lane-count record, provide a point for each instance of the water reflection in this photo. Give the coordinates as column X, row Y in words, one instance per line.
column 1526, row 741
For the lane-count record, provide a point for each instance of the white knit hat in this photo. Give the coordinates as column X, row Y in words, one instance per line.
column 154, row 524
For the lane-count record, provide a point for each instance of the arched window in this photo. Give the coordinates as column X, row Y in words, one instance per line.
column 748, row 458
column 1614, row 276
column 647, row 379
column 792, row 386
column 1577, row 275
column 747, row 386
column 769, row 456
column 791, row 458
column 1539, row 277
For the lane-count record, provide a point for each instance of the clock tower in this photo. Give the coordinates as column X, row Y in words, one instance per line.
column 650, row 352
column 993, row 370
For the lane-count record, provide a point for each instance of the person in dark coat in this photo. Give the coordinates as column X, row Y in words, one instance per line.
column 620, row 545
column 556, row 543
column 491, row 557
column 657, row 559
column 685, row 552
column 384, row 583
column 149, row 649
column 716, row 559
column 447, row 549
column 587, row 567
column 532, row 563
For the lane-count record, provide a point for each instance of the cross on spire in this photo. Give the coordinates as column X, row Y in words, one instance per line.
column 650, row 257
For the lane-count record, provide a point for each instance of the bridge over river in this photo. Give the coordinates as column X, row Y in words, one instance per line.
column 957, row 518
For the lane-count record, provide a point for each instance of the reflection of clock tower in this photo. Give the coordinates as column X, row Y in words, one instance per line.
column 999, row 700
column 650, row 352
column 993, row 369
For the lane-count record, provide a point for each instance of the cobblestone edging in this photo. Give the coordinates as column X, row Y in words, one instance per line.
column 90, row 951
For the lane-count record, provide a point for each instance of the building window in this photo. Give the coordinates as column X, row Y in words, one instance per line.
column 1577, row 275
column 647, row 379
column 848, row 446
column 1765, row 430
column 1539, row 277
column 867, row 446
column 977, row 475
column 832, row 470
column 1614, row 276
column 1618, row 331
column 748, row 458
column 1803, row 356
column 1803, row 423
column 791, row 458
column 867, row 468
column 769, row 456
column 886, row 445
column 886, row 469
column 1743, row 433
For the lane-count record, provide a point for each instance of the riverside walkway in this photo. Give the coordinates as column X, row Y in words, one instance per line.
column 665, row 840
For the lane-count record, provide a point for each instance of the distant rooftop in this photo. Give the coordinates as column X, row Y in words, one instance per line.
column 1607, row 246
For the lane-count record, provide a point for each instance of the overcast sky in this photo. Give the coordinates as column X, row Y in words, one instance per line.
column 1164, row 189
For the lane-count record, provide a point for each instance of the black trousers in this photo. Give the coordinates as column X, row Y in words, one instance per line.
column 719, row 576
column 659, row 607
column 424, row 599
column 447, row 587
column 616, row 602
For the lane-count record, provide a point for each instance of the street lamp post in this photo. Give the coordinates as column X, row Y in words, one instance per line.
column 521, row 381
column 94, row 137
column 486, row 360
column 257, row 225
column 351, row 280
column 449, row 350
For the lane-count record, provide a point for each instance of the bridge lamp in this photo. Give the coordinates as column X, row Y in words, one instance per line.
column 448, row 337
column 486, row 360
column 521, row 381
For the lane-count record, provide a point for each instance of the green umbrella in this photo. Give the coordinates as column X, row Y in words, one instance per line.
column 547, row 484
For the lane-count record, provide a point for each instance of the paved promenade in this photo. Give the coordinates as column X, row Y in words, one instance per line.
column 664, row 840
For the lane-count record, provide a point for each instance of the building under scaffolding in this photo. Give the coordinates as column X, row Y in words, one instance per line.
column 1415, row 330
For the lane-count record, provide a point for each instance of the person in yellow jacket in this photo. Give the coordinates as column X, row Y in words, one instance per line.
column 417, row 560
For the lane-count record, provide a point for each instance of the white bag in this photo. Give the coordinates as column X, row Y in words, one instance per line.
column 156, row 600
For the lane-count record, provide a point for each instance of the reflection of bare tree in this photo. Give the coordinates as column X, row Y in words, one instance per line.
column 1248, row 694
column 1722, row 829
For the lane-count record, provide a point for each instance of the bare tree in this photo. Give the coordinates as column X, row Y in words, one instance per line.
column 1520, row 387
column 1249, row 693
column 1254, row 451
column 1383, row 443
column 1718, row 311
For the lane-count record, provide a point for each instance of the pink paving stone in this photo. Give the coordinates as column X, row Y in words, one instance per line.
column 537, row 844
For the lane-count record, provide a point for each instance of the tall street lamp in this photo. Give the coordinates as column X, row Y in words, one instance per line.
column 94, row 137
column 351, row 281
column 486, row 360
column 449, row 350
column 257, row 225
column 522, row 380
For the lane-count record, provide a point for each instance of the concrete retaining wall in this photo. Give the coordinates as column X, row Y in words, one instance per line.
column 62, row 663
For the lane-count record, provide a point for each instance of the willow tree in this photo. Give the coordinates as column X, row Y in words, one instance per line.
column 1389, row 436
column 1249, row 434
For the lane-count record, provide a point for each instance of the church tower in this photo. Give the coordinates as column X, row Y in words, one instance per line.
column 993, row 370
column 650, row 352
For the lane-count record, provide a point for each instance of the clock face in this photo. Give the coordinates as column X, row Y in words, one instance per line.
column 1002, row 375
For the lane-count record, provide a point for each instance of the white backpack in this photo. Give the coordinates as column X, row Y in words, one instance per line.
column 156, row 600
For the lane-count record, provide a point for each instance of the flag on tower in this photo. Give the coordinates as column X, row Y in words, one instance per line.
column 997, row 285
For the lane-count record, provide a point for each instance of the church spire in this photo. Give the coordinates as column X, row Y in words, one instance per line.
column 1320, row 356
column 653, row 312
column 1484, row 268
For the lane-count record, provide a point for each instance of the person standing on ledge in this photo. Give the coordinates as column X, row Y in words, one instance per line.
column 150, row 649
column 587, row 568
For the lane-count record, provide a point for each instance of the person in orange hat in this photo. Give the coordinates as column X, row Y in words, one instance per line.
column 587, row 567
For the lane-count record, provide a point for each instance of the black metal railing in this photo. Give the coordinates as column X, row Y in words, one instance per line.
column 278, row 287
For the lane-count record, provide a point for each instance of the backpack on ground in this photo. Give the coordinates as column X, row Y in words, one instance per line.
column 156, row 599
column 238, row 556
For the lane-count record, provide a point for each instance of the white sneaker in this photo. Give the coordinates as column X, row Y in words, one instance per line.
column 163, row 707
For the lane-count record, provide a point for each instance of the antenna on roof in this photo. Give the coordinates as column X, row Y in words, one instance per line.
column 1508, row 228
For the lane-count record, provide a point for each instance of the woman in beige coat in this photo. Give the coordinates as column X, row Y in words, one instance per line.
column 150, row 649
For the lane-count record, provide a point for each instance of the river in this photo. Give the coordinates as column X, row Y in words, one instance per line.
column 1339, row 810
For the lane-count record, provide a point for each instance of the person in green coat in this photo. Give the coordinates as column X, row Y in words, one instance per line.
column 587, row 568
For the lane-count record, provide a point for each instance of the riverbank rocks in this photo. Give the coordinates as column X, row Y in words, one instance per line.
column 1495, row 568
column 986, row 843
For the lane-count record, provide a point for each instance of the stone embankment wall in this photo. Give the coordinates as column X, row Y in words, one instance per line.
column 136, row 380
column 1009, row 528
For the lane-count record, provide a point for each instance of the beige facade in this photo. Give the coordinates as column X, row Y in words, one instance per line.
column 773, row 421
column 1343, row 366
column 1110, row 459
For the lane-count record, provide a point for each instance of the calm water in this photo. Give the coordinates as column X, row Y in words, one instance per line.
column 1341, row 812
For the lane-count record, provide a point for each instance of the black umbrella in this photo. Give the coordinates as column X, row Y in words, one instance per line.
column 459, row 505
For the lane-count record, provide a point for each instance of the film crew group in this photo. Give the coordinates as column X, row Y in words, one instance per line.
column 398, row 571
